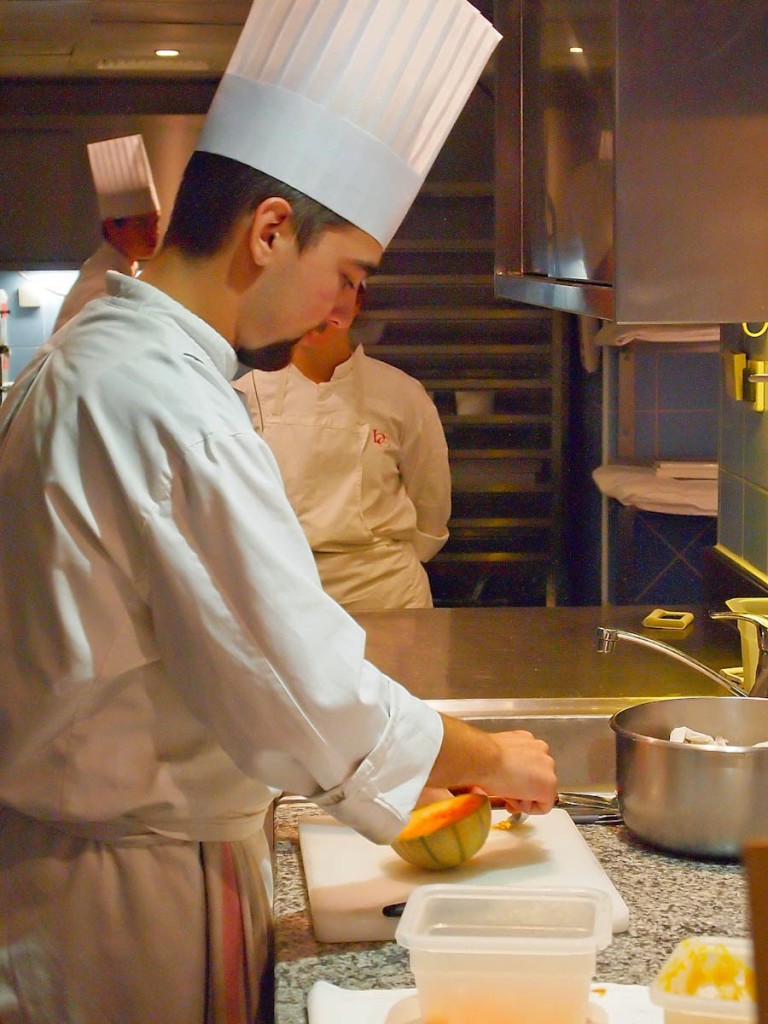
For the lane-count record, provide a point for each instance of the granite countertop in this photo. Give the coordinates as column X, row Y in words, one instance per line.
column 668, row 897
column 528, row 654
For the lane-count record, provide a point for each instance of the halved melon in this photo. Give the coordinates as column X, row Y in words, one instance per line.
column 447, row 833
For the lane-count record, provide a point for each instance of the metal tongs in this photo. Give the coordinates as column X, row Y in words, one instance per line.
column 583, row 808
column 591, row 808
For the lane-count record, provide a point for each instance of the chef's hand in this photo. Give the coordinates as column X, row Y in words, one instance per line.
column 514, row 766
column 527, row 778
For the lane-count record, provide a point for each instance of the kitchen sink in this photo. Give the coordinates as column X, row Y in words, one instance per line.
column 577, row 730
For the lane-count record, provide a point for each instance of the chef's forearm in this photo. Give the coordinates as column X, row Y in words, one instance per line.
column 467, row 755
column 512, row 765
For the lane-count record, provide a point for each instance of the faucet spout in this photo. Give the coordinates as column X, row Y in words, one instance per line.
column 608, row 636
column 606, row 639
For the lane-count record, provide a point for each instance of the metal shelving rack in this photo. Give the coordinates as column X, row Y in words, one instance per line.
column 433, row 310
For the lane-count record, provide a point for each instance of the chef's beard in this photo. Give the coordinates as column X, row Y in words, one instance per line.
column 271, row 357
column 274, row 356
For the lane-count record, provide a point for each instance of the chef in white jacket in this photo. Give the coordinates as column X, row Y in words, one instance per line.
column 170, row 660
column 130, row 214
column 364, row 460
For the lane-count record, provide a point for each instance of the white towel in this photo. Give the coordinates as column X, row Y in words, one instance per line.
column 329, row 1004
column 622, row 334
column 641, row 487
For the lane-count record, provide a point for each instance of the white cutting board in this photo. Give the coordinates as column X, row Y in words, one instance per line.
column 350, row 879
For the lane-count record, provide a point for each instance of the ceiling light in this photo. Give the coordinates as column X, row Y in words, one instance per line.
column 166, row 53
column 576, row 49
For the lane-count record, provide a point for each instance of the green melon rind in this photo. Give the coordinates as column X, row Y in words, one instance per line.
column 450, row 845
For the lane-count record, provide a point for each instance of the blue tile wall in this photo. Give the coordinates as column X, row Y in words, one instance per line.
column 689, row 381
column 732, row 428
column 656, row 558
column 755, row 528
column 677, row 396
column 730, row 513
column 646, row 433
column 743, row 512
column 691, row 434
column 29, row 328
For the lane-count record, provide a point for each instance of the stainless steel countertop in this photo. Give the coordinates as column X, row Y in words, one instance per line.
column 532, row 653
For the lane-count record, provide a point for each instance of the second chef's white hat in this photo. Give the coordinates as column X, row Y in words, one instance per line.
column 349, row 101
column 123, row 177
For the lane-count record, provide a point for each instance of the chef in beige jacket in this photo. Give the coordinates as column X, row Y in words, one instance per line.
column 170, row 661
column 364, row 460
column 130, row 213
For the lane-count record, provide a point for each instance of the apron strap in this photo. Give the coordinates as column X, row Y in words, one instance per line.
column 239, row 943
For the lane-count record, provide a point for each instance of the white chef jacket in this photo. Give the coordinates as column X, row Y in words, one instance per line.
column 365, row 465
column 169, row 658
column 91, row 281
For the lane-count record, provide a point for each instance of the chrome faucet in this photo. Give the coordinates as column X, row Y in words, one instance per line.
column 607, row 637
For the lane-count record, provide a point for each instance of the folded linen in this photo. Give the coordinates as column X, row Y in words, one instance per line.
column 641, row 487
column 329, row 1004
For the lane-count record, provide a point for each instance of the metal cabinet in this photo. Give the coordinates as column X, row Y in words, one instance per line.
column 631, row 179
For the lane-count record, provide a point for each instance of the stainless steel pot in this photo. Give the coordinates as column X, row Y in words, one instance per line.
column 691, row 799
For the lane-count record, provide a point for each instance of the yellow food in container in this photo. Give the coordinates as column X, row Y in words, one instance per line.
column 707, row 980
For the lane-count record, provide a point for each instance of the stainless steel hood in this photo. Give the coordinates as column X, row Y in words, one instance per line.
column 632, row 179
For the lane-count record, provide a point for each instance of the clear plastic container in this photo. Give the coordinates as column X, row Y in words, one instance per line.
column 707, row 979
column 504, row 955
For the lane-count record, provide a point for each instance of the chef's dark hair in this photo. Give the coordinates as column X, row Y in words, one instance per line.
column 216, row 190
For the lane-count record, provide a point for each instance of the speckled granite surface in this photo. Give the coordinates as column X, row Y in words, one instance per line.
column 668, row 898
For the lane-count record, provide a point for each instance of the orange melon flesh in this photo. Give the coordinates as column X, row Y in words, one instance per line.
column 447, row 833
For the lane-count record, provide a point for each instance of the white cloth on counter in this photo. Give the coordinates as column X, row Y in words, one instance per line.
column 329, row 1004
column 622, row 334
column 641, row 487
column 594, row 335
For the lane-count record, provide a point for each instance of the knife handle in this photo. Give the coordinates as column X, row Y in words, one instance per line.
column 393, row 910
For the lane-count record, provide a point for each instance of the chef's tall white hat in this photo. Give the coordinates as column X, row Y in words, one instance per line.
column 349, row 101
column 123, row 177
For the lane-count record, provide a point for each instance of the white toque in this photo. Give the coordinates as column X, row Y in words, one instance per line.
column 123, row 177
column 349, row 101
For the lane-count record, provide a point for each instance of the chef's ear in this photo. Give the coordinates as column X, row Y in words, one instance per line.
column 268, row 218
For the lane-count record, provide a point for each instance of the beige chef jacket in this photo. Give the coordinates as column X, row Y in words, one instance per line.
column 170, row 659
column 365, row 465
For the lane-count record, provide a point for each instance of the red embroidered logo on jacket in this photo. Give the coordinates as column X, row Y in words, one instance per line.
column 380, row 438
